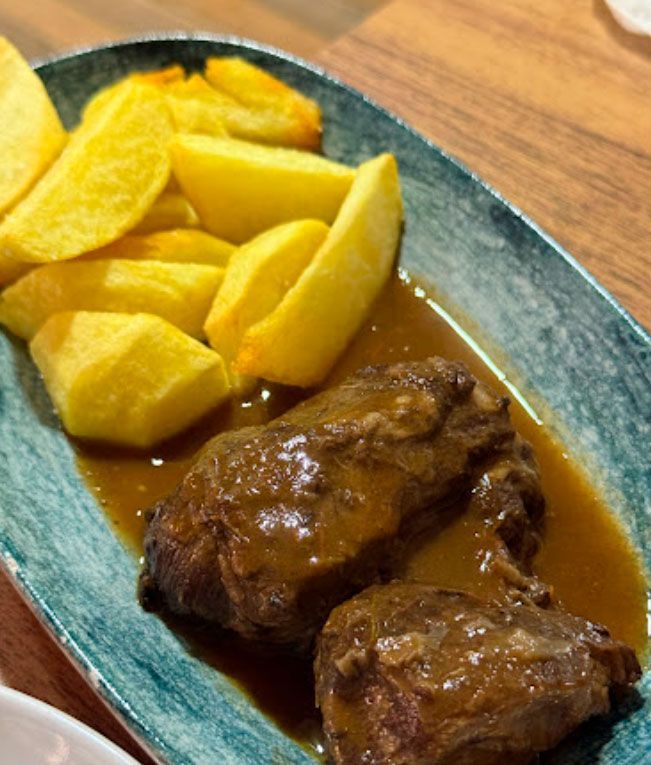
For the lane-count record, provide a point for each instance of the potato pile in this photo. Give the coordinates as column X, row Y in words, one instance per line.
column 181, row 242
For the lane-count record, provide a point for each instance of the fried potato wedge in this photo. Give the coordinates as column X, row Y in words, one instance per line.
column 291, row 118
column 242, row 101
column 179, row 245
column 31, row 133
column 106, row 179
column 240, row 189
column 253, row 86
column 130, row 379
column 198, row 108
column 156, row 77
column 170, row 210
column 257, row 278
column 300, row 340
column 182, row 293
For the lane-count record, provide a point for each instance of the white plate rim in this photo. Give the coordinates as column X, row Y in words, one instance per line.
column 55, row 721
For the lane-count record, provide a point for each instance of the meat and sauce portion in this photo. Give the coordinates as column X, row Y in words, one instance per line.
column 409, row 673
column 275, row 525
column 276, row 529
column 485, row 540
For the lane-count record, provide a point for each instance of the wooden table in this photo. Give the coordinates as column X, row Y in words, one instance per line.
column 549, row 102
column 42, row 27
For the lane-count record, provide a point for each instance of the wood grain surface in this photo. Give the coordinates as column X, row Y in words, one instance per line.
column 549, row 102
column 42, row 27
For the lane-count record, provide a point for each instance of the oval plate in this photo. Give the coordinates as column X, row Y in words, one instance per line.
column 557, row 334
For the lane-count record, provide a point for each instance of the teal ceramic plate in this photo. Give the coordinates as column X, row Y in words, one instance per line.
column 558, row 335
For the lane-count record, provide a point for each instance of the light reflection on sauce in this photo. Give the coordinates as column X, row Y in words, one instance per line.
column 585, row 556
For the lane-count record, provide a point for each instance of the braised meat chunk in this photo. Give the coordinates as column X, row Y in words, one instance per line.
column 273, row 526
column 411, row 674
column 507, row 505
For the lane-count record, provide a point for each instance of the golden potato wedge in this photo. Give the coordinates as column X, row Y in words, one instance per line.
column 300, row 340
column 297, row 119
column 129, row 379
column 253, row 86
column 265, row 127
column 98, row 102
column 179, row 245
column 156, row 77
column 170, row 210
column 182, row 293
column 240, row 189
column 256, row 280
column 196, row 107
column 106, row 179
column 200, row 108
column 31, row 133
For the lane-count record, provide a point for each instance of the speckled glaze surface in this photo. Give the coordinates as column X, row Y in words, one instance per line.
column 584, row 364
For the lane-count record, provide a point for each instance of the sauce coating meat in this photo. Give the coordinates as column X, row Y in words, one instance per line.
column 275, row 525
column 408, row 673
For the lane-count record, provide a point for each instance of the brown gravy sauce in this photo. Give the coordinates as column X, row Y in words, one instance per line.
column 586, row 556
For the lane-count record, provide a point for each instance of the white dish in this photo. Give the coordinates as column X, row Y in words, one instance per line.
column 633, row 15
column 34, row 733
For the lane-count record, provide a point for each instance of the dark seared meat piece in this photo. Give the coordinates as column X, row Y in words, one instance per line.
column 507, row 500
column 408, row 674
column 275, row 525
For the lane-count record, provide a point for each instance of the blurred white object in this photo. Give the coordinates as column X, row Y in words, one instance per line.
column 634, row 15
column 33, row 733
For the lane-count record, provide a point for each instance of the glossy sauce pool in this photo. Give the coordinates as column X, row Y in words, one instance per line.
column 585, row 555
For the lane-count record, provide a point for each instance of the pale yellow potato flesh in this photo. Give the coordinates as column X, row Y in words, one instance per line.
column 178, row 245
column 156, row 77
column 31, row 133
column 102, row 185
column 129, row 379
column 200, row 108
column 257, row 278
column 240, row 189
column 262, row 93
column 267, row 112
column 181, row 293
column 300, row 340
column 256, row 87
column 170, row 210
column 196, row 107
